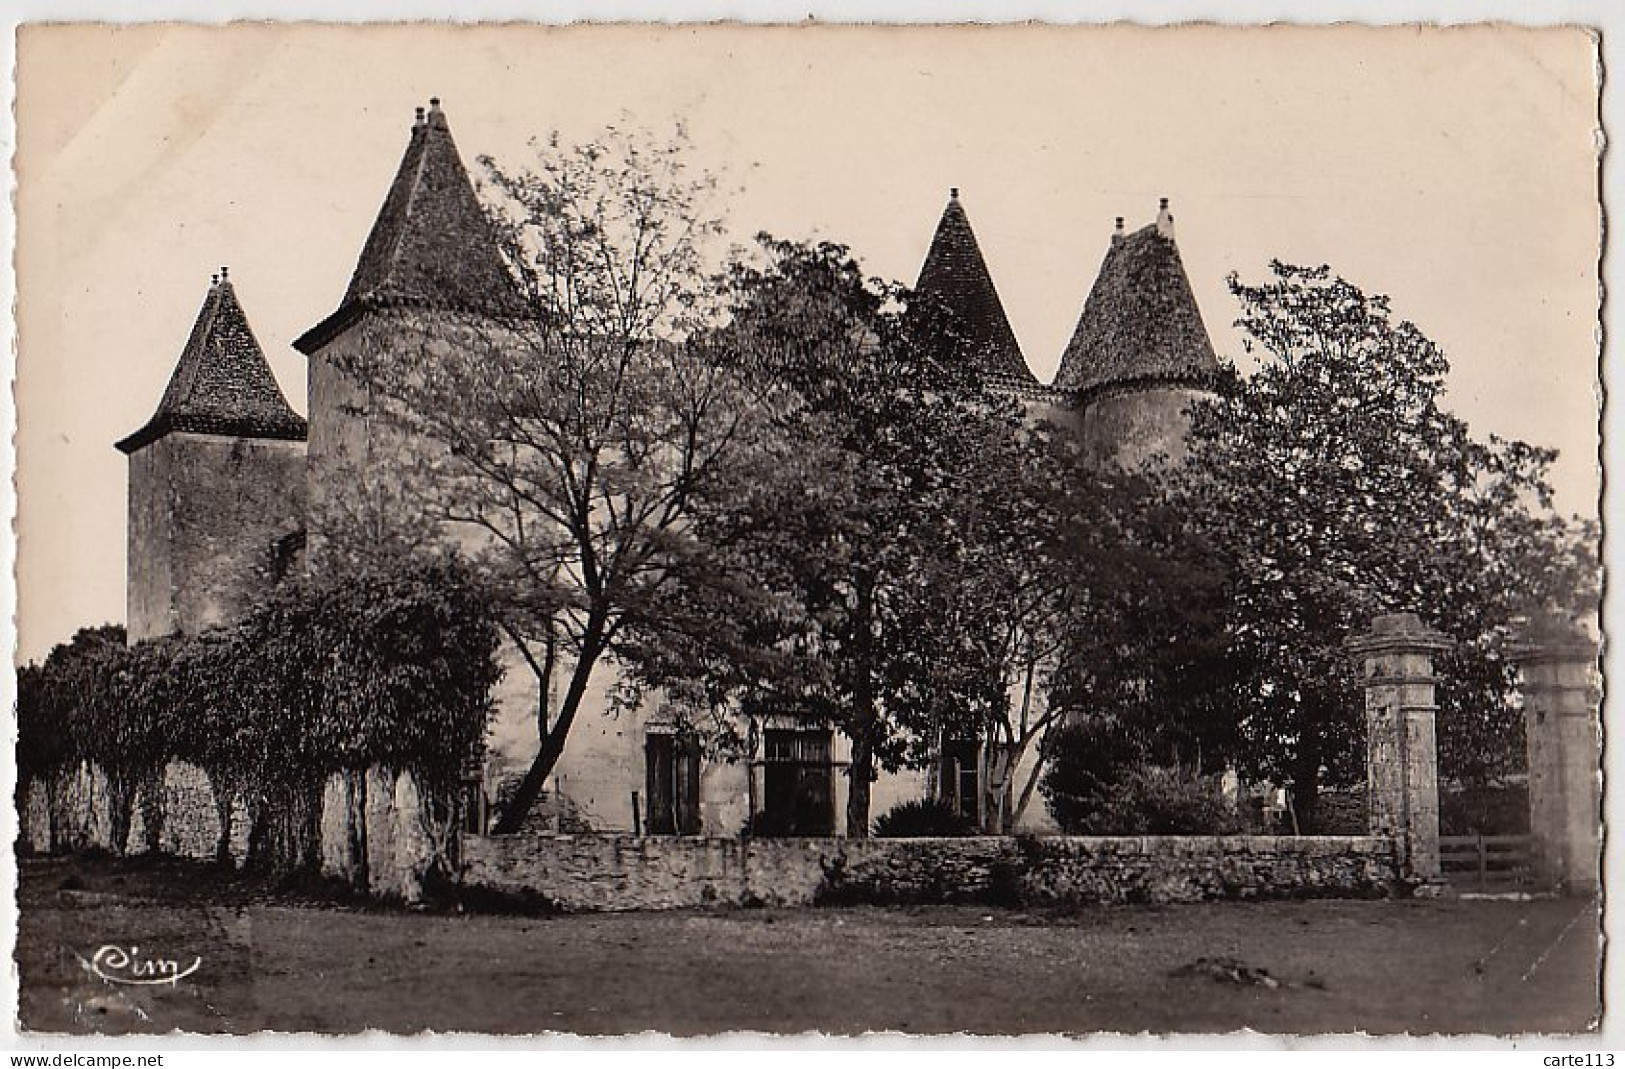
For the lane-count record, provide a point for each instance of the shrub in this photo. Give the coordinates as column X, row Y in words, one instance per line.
column 1100, row 783
column 1340, row 812
column 1087, row 760
column 922, row 819
column 1163, row 800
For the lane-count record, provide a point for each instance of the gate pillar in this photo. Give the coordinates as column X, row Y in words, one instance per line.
column 1402, row 768
column 1558, row 665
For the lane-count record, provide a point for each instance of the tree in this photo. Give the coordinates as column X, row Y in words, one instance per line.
column 1332, row 485
column 845, row 526
column 563, row 452
column 1117, row 611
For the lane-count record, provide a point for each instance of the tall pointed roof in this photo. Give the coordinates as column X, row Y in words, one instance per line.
column 1141, row 322
column 431, row 245
column 221, row 384
column 955, row 281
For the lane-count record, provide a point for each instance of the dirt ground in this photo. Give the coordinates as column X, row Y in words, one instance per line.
column 273, row 961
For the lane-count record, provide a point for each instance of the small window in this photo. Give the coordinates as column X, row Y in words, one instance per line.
column 959, row 781
column 672, row 761
column 475, row 808
column 287, row 556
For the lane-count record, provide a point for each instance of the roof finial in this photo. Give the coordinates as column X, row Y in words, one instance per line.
column 1165, row 219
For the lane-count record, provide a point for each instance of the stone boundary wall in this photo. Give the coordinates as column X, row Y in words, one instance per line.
column 78, row 818
column 606, row 873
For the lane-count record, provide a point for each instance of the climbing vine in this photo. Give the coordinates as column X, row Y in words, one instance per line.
column 386, row 670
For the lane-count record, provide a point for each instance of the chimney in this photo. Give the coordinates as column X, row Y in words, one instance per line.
column 1165, row 220
column 1117, row 230
column 436, row 116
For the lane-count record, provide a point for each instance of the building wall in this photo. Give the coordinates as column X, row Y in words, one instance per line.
column 351, row 471
column 1134, row 428
column 206, row 514
column 604, row 761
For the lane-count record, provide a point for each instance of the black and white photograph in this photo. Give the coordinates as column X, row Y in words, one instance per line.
column 930, row 530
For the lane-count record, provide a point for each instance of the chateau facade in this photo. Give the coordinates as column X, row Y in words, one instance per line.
column 228, row 485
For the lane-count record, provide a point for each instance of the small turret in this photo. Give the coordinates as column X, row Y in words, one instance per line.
column 1140, row 351
column 221, row 383
column 217, row 481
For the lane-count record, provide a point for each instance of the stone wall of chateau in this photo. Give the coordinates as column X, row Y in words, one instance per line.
column 624, row 873
column 72, row 813
column 356, row 469
column 1135, row 427
column 207, row 517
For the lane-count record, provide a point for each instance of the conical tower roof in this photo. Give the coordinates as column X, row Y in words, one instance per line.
column 1140, row 323
column 954, row 281
column 431, row 245
column 221, row 384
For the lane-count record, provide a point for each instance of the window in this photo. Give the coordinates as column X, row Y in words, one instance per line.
column 287, row 555
column 959, row 782
column 473, row 803
column 673, row 783
column 798, row 783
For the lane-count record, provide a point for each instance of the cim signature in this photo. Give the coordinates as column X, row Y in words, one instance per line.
column 117, row 965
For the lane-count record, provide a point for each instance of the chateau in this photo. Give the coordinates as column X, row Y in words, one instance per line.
column 227, row 484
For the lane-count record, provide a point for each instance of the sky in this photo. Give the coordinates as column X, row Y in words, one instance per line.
column 1453, row 169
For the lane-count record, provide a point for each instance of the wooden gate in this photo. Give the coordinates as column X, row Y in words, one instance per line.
column 1487, row 862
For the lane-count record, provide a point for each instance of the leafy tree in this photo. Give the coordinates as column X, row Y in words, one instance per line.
column 1333, row 486
column 1088, row 758
column 562, row 453
column 843, row 527
column 1137, row 620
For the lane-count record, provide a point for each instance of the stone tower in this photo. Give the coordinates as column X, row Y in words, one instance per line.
column 1140, row 353
column 956, row 284
column 217, row 482
column 430, row 264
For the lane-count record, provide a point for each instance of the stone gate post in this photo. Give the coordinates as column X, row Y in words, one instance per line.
column 1560, row 727
column 1402, row 767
